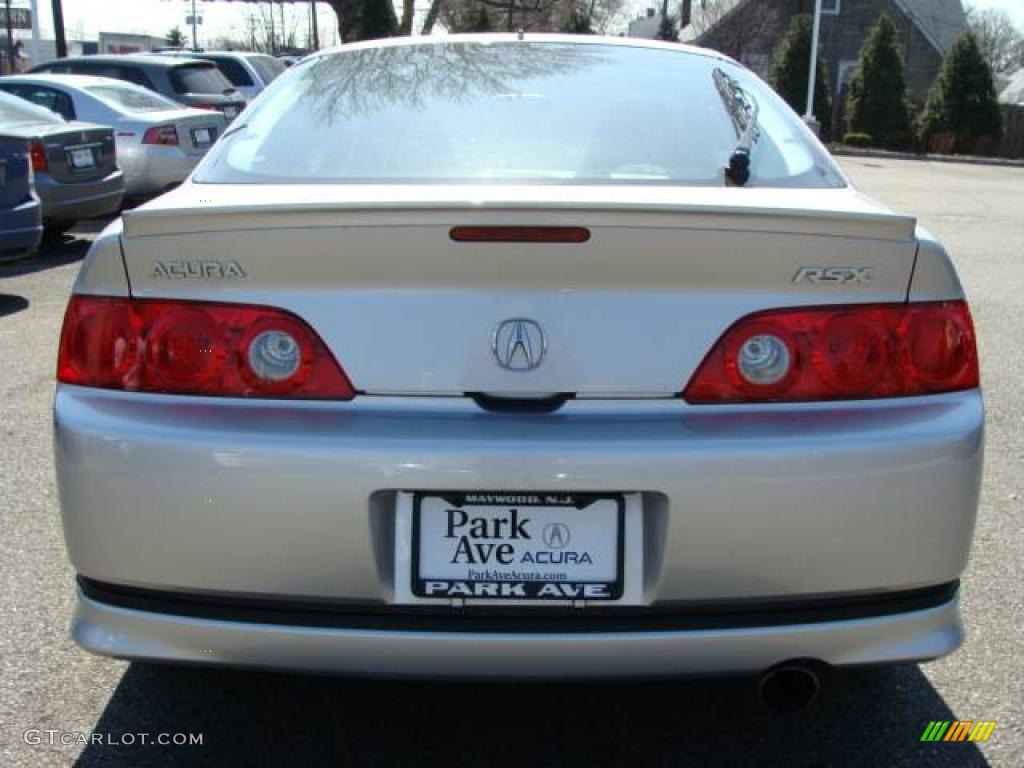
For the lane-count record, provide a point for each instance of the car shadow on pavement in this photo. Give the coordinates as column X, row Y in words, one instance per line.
column 52, row 253
column 864, row 717
column 11, row 303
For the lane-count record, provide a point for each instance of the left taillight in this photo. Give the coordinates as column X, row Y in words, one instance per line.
column 195, row 348
column 163, row 135
column 37, row 153
column 840, row 353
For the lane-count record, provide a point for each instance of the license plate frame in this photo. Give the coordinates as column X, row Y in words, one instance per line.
column 81, row 158
column 418, row 573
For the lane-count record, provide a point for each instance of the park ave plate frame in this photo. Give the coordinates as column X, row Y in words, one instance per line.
column 407, row 524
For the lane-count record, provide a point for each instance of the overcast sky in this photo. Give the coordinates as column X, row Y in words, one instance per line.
column 89, row 17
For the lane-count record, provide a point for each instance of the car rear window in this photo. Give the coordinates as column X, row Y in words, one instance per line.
column 267, row 67
column 17, row 111
column 516, row 112
column 131, row 99
column 199, row 78
column 233, row 70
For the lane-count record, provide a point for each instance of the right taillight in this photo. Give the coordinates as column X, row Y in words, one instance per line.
column 840, row 353
column 165, row 135
column 37, row 153
column 195, row 348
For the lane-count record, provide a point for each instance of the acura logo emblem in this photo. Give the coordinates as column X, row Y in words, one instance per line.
column 518, row 345
column 556, row 535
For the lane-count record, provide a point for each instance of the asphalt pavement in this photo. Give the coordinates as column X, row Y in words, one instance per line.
column 863, row 718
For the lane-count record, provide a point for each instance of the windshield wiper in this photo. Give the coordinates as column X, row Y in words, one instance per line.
column 742, row 109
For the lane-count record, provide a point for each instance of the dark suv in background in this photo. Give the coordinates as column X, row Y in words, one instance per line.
column 192, row 82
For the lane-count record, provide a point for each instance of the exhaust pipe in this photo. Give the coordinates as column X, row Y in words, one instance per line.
column 789, row 687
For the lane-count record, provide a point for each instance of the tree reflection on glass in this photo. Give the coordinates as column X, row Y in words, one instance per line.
column 362, row 82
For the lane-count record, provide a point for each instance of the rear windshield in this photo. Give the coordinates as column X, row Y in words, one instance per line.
column 233, row 70
column 17, row 111
column 131, row 99
column 567, row 113
column 199, row 78
column 268, row 68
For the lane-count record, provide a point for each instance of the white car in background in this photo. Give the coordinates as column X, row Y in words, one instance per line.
column 248, row 72
column 158, row 141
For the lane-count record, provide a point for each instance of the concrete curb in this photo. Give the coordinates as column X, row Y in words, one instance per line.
column 882, row 154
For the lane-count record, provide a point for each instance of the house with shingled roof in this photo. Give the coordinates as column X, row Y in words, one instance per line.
column 749, row 30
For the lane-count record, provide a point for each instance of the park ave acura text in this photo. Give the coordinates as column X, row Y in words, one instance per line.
column 521, row 356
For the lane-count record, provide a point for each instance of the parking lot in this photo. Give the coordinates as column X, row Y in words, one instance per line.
column 864, row 717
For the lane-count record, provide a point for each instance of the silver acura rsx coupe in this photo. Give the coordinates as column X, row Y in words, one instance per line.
column 517, row 355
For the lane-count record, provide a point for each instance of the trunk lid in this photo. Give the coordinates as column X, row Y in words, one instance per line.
column 79, row 152
column 406, row 310
column 192, row 126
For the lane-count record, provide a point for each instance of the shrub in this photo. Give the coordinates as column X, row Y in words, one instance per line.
column 858, row 140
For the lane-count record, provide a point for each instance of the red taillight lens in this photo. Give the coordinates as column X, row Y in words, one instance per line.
column 166, row 135
column 212, row 107
column 840, row 353
column 195, row 348
column 37, row 152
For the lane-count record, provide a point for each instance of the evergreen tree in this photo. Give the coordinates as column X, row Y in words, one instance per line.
column 175, row 38
column 878, row 103
column 578, row 22
column 480, row 21
column 667, row 29
column 962, row 101
column 791, row 69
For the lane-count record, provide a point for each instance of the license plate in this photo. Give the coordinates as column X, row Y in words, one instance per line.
column 201, row 135
column 528, row 547
column 81, row 158
column 231, row 112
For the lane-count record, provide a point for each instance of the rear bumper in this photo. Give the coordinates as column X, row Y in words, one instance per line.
column 140, row 625
column 22, row 230
column 297, row 500
column 153, row 169
column 80, row 200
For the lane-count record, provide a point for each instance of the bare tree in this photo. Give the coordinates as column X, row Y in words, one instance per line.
column 534, row 15
column 269, row 32
column 1000, row 40
column 735, row 28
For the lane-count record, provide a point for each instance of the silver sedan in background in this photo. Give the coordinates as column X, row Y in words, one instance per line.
column 159, row 142
column 74, row 163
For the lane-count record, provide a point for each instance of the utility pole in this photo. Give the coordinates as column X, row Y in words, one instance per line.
column 34, row 50
column 273, row 40
column 284, row 41
column 313, row 25
column 10, row 40
column 813, row 72
column 58, row 28
column 195, row 38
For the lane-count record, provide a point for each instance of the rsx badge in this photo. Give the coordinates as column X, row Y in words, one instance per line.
column 839, row 275
column 198, row 270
